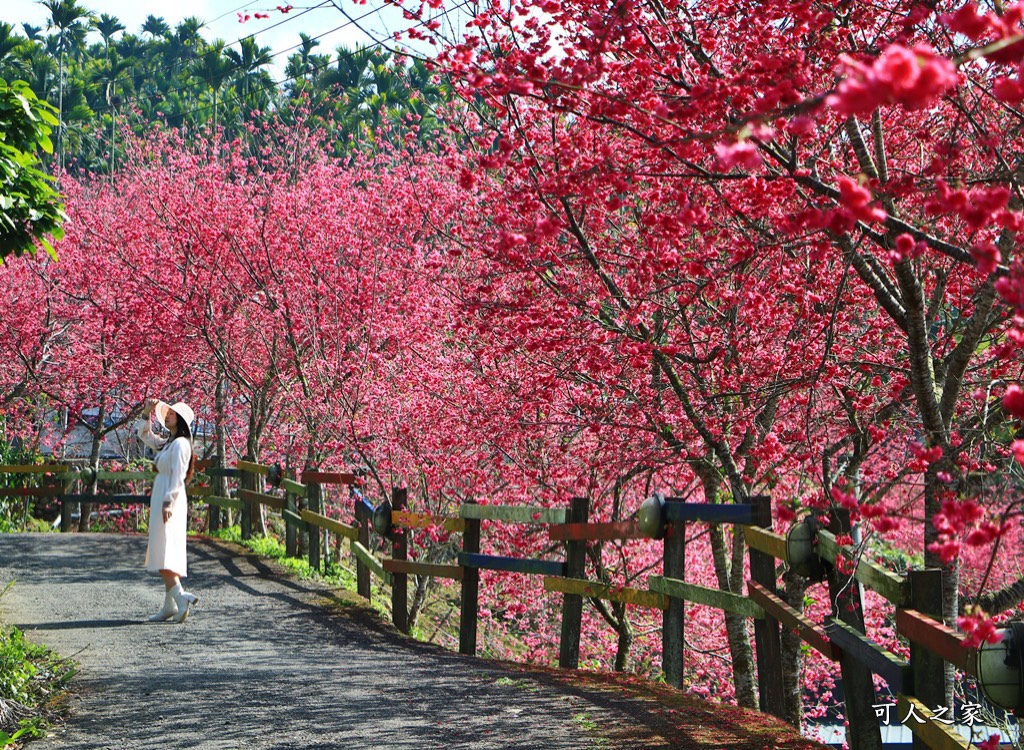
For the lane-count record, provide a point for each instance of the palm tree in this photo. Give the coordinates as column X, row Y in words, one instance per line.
column 299, row 63
column 8, row 41
column 106, row 76
column 427, row 94
column 108, row 25
column 32, row 32
column 13, row 49
column 349, row 71
column 188, row 30
column 155, row 26
column 249, row 61
column 131, row 47
column 41, row 67
column 213, row 68
column 65, row 16
column 183, row 45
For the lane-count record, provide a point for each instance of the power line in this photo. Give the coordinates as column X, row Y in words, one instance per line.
column 286, row 20
column 249, row 5
column 225, row 15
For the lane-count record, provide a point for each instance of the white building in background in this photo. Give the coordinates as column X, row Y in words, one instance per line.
column 121, row 444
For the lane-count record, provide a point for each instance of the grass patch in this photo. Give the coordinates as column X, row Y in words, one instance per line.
column 588, row 725
column 33, row 686
column 521, row 684
column 334, row 574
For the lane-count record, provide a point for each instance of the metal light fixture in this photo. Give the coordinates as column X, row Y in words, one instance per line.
column 803, row 558
column 381, row 518
column 650, row 517
column 1000, row 669
column 274, row 475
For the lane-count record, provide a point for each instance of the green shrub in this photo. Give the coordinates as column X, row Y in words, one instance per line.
column 33, row 681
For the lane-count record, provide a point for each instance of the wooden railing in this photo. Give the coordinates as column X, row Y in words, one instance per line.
column 917, row 682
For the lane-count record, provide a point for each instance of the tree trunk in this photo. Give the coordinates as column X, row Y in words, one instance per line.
column 60, row 116
column 735, row 625
column 419, row 597
column 94, row 463
column 740, row 650
column 625, row 640
column 252, row 452
column 794, row 588
column 302, row 543
column 863, row 731
column 220, row 484
column 950, row 571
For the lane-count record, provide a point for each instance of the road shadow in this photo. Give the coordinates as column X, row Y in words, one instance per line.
column 80, row 624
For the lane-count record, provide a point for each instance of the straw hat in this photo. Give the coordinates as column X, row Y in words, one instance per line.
column 183, row 410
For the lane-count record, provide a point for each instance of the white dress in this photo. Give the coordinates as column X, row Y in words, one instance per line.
column 166, row 549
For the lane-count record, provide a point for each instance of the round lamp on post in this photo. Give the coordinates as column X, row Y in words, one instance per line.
column 1000, row 669
column 274, row 475
column 381, row 518
column 803, row 558
column 650, row 517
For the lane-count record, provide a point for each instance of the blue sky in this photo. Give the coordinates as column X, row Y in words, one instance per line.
column 279, row 32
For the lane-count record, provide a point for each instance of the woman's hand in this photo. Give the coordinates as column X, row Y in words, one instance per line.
column 167, row 513
column 147, row 410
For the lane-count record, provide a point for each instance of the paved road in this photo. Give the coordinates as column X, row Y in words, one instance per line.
column 261, row 663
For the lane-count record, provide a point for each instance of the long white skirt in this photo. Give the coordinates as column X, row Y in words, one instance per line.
column 166, row 549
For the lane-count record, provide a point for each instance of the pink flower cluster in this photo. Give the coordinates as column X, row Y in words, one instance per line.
column 979, row 628
column 906, row 248
column 857, row 199
column 1011, row 289
column 741, row 154
column 912, row 78
column 876, row 514
column 1010, row 90
column 987, row 28
column 956, row 517
column 1013, row 401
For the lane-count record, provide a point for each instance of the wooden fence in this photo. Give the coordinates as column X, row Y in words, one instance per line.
column 814, row 552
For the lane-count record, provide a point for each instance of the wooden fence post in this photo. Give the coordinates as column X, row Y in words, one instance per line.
column 399, row 551
column 290, row 530
column 314, row 496
column 220, row 489
column 572, row 604
column 362, row 571
column 247, row 481
column 470, row 588
column 767, row 633
column 304, row 532
column 673, row 618
column 863, row 731
column 928, row 668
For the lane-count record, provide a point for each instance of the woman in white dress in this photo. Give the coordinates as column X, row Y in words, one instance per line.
column 168, row 508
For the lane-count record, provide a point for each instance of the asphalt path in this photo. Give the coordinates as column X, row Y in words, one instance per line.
column 263, row 662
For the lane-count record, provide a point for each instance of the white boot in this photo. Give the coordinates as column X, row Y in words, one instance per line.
column 184, row 600
column 169, row 610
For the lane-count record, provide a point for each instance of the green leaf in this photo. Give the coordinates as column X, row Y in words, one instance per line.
column 25, row 105
column 48, row 247
column 30, row 206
